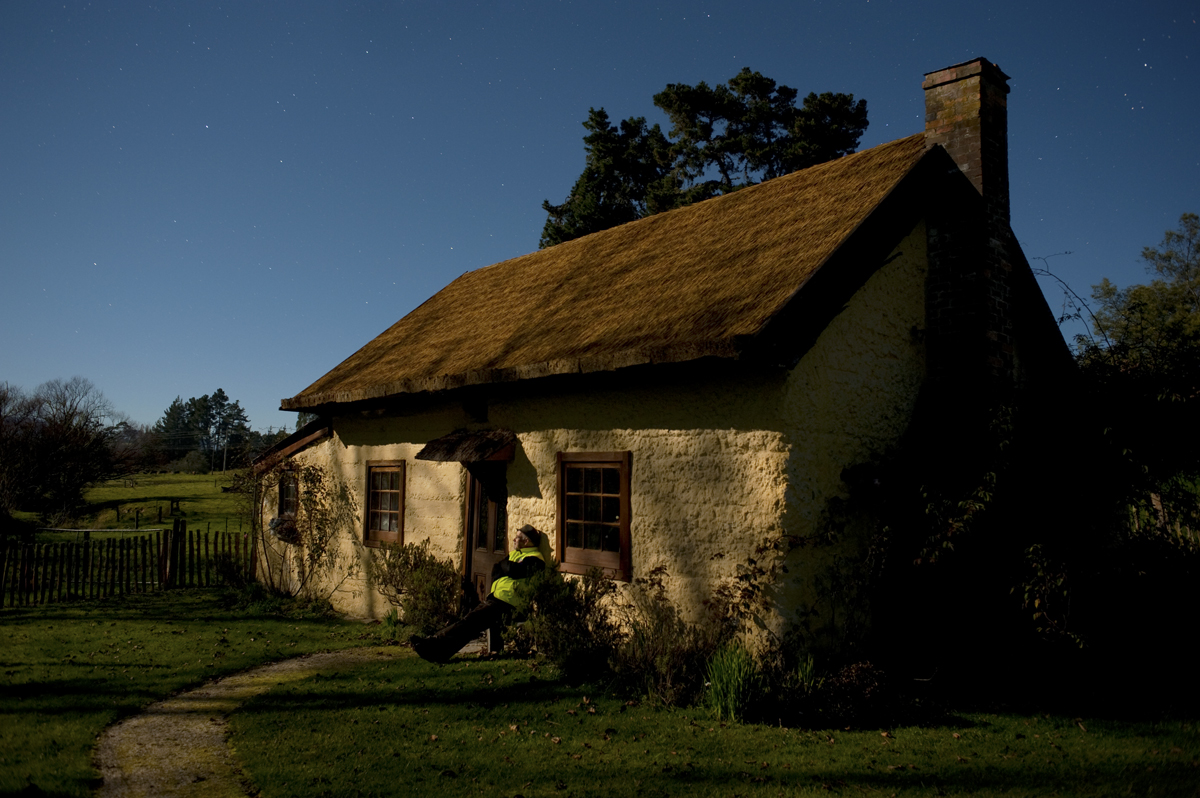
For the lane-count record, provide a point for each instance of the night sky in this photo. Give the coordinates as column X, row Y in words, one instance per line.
column 240, row 195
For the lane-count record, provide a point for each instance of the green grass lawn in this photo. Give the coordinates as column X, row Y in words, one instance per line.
column 503, row 728
column 114, row 505
column 69, row 670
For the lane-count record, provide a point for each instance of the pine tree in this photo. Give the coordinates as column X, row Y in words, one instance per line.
column 722, row 138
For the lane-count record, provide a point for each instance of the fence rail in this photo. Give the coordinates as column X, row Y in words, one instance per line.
column 43, row 573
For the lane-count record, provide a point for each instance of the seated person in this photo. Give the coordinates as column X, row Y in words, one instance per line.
column 525, row 560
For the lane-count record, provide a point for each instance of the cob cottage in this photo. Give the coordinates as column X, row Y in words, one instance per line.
column 678, row 390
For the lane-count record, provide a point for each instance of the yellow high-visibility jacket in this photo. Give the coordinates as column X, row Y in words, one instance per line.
column 521, row 564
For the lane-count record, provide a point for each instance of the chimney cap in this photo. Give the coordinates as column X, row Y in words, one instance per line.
column 954, row 72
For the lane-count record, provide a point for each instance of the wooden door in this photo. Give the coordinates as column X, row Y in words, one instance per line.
column 486, row 533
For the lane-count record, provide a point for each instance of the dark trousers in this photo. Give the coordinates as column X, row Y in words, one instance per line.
column 489, row 614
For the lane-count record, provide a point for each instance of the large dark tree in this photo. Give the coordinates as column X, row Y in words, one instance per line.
column 1143, row 358
column 722, row 138
column 55, row 443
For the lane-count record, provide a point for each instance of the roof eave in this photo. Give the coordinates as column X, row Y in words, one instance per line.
column 728, row 349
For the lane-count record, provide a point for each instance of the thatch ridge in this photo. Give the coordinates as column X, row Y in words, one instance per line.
column 696, row 282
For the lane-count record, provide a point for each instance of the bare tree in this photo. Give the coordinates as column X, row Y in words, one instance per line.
column 55, row 443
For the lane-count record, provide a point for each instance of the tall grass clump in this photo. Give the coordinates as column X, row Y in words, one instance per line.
column 735, row 682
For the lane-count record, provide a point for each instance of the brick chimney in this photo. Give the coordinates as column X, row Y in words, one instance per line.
column 970, row 320
column 966, row 111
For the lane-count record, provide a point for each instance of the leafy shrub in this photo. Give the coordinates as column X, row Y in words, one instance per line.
column 735, row 682
column 589, row 631
column 856, row 694
column 191, row 463
column 667, row 656
column 568, row 621
column 427, row 590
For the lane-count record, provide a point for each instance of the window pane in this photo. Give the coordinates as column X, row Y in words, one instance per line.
column 612, row 509
column 591, row 480
column 612, row 481
column 612, row 539
column 594, row 536
column 575, row 536
column 574, row 508
column 393, row 480
column 574, row 480
column 591, row 508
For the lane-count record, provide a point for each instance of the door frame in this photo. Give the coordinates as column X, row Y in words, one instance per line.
column 486, row 481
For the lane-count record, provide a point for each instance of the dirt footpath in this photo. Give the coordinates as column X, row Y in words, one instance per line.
column 178, row 747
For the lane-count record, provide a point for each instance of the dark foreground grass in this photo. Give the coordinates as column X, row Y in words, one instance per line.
column 69, row 670
column 501, row 728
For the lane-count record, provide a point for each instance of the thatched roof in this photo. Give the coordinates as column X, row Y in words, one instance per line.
column 696, row 282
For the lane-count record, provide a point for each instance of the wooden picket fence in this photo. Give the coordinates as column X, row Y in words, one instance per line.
column 43, row 573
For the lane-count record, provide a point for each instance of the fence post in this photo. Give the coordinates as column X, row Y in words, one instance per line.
column 85, row 567
column 122, row 567
column 59, row 571
column 253, row 557
column 15, row 577
column 34, row 582
column 169, row 545
column 164, row 558
column 26, row 555
column 63, row 548
column 3, row 571
column 47, row 572
column 30, row 570
column 179, row 578
column 173, row 554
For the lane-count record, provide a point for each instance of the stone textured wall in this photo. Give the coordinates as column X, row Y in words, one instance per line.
column 708, row 473
column 849, row 401
column 433, row 492
column 724, row 457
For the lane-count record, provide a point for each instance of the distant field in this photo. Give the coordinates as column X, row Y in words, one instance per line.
column 114, row 504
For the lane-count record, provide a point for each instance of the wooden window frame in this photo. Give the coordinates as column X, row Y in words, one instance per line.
column 618, row 565
column 375, row 538
column 292, row 478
